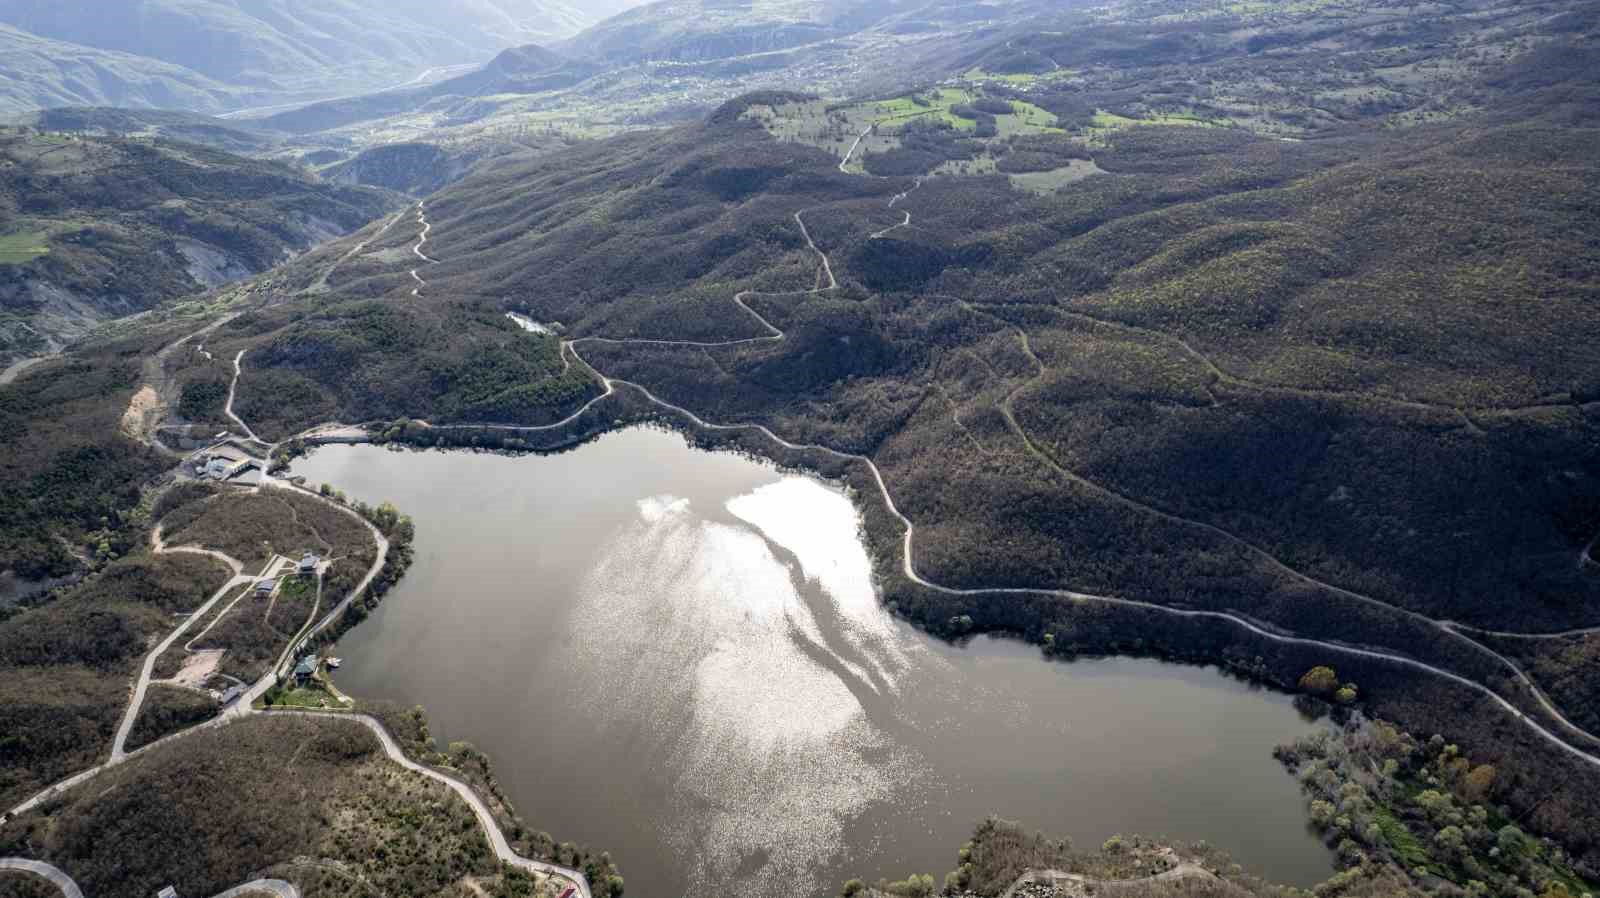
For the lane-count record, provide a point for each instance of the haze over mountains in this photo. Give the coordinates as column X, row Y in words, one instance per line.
column 218, row 55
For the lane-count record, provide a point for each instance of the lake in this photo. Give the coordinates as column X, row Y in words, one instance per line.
column 678, row 656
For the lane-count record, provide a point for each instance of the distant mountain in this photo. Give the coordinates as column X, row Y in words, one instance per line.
column 705, row 30
column 699, row 30
column 198, row 52
column 94, row 228
column 519, row 70
column 38, row 72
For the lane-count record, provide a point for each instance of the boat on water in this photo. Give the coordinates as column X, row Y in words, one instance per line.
column 333, row 663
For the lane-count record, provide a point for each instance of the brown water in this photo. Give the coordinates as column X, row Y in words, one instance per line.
column 677, row 656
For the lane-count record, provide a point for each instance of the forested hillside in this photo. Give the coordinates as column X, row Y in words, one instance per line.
column 1344, row 388
column 1260, row 337
column 99, row 228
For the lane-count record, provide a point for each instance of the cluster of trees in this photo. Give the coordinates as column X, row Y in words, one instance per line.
column 924, row 144
column 1001, row 852
column 462, row 361
column 1039, row 152
column 1323, row 682
column 1381, row 797
column 169, row 710
column 204, row 392
column 1289, row 67
column 250, row 527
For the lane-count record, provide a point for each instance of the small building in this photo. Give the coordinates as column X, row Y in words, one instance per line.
column 231, row 695
column 265, row 586
column 305, row 670
column 309, row 562
column 225, row 467
column 168, row 892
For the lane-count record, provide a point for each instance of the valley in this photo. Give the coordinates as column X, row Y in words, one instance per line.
column 1131, row 341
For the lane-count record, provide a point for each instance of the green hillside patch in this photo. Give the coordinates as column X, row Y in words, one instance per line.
column 1018, row 79
column 1103, row 123
column 21, row 247
column 1044, row 182
column 1027, row 119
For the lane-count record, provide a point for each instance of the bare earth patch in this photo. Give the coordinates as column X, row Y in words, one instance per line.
column 143, row 403
column 198, row 668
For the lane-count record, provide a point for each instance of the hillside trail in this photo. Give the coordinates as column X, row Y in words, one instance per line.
column 243, row 708
column 422, row 240
column 829, row 282
column 321, row 283
column 233, row 389
column 22, row 366
column 141, row 685
column 69, row 888
column 1008, row 413
column 776, row 334
column 1467, row 413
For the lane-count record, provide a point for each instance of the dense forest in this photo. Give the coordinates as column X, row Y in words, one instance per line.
column 1342, row 387
column 1301, row 380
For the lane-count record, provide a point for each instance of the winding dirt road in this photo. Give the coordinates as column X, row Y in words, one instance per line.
column 276, row 887
column 142, row 684
column 60, row 880
column 908, row 564
column 609, row 387
column 244, row 707
column 17, row 369
column 853, row 147
column 238, row 369
column 497, row 839
column 422, row 240
column 775, row 334
column 69, row 888
column 322, row 282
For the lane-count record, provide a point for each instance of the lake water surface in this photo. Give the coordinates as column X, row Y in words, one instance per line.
column 678, row 656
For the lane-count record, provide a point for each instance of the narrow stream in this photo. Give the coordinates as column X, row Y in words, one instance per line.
column 678, row 656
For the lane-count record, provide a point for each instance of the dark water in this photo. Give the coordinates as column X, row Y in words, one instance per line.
column 677, row 656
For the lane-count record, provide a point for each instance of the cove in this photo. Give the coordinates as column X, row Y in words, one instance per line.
column 678, row 656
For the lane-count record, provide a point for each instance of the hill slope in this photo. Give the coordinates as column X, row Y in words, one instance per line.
column 98, row 228
column 1344, row 388
column 183, row 127
column 40, row 73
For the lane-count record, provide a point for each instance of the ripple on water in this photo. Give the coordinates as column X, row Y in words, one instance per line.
column 775, row 754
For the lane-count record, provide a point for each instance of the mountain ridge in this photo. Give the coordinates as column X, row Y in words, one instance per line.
column 215, row 55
